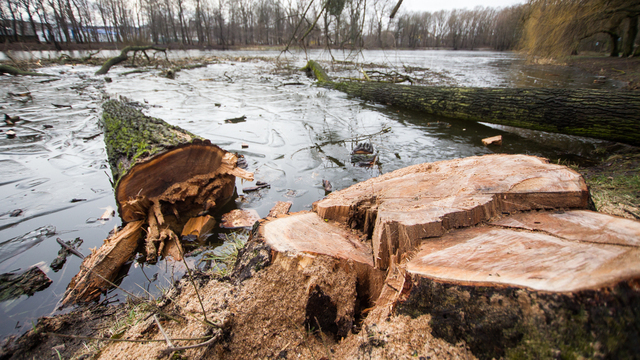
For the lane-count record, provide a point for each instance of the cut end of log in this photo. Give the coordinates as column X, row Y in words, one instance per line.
column 196, row 174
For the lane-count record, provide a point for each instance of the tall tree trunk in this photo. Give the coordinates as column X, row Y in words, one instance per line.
column 630, row 36
column 615, row 47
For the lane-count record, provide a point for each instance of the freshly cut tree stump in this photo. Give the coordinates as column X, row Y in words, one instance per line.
column 163, row 174
column 533, row 285
column 305, row 236
column 401, row 208
column 495, row 250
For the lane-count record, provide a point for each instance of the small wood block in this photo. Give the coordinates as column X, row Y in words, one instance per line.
column 494, row 140
column 280, row 208
column 239, row 218
column 199, row 226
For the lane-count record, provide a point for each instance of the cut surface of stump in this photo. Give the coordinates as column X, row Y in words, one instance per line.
column 559, row 256
column 532, row 285
column 307, row 233
column 403, row 207
column 164, row 175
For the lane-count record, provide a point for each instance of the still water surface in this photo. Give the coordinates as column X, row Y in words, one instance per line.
column 298, row 134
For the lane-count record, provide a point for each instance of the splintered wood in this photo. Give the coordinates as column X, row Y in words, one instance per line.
column 99, row 270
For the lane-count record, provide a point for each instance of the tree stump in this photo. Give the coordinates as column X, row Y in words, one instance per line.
column 498, row 250
column 401, row 208
column 163, row 176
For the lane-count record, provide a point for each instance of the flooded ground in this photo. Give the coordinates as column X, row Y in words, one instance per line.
column 55, row 180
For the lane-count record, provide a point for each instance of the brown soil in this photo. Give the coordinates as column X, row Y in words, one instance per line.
column 622, row 69
column 284, row 311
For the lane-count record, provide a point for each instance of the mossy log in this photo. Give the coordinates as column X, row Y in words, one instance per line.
column 163, row 174
column 499, row 251
column 124, row 55
column 7, row 69
column 602, row 114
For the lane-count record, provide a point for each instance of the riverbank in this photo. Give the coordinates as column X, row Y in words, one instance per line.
column 620, row 162
column 622, row 69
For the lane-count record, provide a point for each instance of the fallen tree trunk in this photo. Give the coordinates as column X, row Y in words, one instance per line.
column 7, row 69
column 124, row 55
column 163, row 176
column 602, row 114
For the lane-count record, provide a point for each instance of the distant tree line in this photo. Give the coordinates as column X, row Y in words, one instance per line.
column 329, row 23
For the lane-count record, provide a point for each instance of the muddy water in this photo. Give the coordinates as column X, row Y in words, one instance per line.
column 55, row 172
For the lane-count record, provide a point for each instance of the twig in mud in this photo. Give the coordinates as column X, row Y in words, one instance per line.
column 169, row 350
column 326, row 349
column 632, row 214
column 195, row 288
column 166, row 337
column 81, row 337
column 70, row 248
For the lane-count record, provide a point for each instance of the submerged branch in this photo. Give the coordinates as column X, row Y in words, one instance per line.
column 124, row 55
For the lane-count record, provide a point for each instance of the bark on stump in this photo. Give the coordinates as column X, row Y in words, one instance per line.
column 163, row 176
column 488, row 246
column 602, row 114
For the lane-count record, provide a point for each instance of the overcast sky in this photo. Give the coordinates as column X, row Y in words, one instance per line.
column 435, row 5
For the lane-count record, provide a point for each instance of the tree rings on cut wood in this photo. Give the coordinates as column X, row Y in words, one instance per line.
column 401, row 208
column 531, row 284
column 164, row 175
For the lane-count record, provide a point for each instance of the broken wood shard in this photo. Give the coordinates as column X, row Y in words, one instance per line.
column 494, row 140
column 98, row 270
column 403, row 207
column 239, row 218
